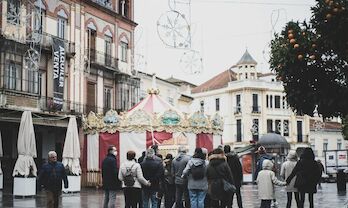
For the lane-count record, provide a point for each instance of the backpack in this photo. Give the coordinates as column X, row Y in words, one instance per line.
column 198, row 172
column 128, row 177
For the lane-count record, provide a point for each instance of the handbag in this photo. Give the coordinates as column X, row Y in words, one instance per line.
column 228, row 187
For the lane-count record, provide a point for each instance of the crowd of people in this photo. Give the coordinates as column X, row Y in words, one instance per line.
column 203, row 180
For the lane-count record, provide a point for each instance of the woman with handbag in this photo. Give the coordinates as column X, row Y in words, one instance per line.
column 307, row 174
column 265, row 181
column 285, row 171
column 220, row 180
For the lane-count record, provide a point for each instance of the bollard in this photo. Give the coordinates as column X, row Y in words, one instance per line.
column 341, row 181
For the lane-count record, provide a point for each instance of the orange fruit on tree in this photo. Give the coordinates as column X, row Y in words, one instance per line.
column 296, row 45
column 293, row 41
column 290, row 36
column 300, row 57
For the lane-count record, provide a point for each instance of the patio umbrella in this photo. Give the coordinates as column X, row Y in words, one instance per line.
column 26, row 147
column 71, row 151
column 1, row 152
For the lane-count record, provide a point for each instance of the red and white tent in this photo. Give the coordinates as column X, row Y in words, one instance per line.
column 151, row 121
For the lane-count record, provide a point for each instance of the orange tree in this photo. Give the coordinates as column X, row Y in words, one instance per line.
column 311, row 59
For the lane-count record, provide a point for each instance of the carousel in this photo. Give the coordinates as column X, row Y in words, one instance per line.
column 153, row 121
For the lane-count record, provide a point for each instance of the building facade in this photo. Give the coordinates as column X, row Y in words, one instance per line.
column 252, row 104
column 94, row 72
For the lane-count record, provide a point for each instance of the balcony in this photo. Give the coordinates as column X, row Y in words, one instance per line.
column 237, row 110
column 47, row 42
column 101, row 59
column 256, row 109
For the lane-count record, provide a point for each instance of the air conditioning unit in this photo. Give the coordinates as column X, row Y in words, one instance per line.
column 3, row 99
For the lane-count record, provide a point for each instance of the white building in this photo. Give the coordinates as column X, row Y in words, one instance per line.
column 251, row 103
column 327, row 137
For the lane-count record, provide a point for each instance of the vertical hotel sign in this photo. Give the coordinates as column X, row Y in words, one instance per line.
column 58, row 73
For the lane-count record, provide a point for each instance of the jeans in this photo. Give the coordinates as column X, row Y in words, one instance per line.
column 197, row 198
column 110, row 198
column 132, row 197
column 239, row 198
column 53, row 199
column 266, row 203
column 180, row 192
column 147, row 196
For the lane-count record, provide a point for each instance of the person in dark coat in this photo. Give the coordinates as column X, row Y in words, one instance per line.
column 307, row 174
column 218, row 169
column 169, row 186
column 51, row 176
column 110, row 177
column 322, row 170
column 237, row 172
column 153, row 171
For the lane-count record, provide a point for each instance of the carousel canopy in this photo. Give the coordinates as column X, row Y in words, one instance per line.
column 153, row 114
column 273, row 140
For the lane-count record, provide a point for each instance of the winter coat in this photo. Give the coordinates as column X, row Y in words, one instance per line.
column 110, row 173
column 310, row 172
column 153, row 171
column 217, row 169
column 236, row 168
column 266, row 180
column 51, row 176
column 260, row 162
column 286, row 170
column 201, row 184
column 178, row 165
column 168, row 176
column 136, row 172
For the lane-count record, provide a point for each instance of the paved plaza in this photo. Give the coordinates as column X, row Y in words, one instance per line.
column 325, row 198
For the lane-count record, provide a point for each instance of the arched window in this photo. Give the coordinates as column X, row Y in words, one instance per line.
column 108, row 48
column 62, row 21
column 124, row 49
column 39, row 16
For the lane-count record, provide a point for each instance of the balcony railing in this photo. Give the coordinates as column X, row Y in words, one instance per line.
column 47, row 42
column 104, row 3
column 256, row 109
column 101, row 59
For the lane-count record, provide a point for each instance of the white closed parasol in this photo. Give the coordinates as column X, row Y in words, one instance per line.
column 26, row 147
column 71, row 151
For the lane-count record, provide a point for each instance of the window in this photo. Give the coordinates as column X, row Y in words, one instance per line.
column 107, row 99
column 284, row 103
column 217, row 104
column 267, row 101
column 339, row 144
column 255, row 103
column 239, row 130
column 277, row 101
column 325, row 144
column 108, row 50
column 278, row 126
column 38, row 22
column 13, row 11
column 33, row 82
column 286, row 127
column 124, row 49
column 255, row 129
column 13, row 77
column 269, row 125
column 246, row 75
column 271, row 101
column 123, row 8
column 62, row 24
column 202, row 106
column 299, row 131
column 238, row 104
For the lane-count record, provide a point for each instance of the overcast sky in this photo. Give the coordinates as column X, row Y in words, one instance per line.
column 221, row 30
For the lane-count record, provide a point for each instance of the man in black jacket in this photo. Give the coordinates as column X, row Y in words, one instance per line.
column 237, row 172
column 109, row 175
column 51, row 175
column 153, row 171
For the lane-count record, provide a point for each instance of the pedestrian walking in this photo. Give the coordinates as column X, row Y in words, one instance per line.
column 51, row 176
column 153, row 171
column 237, row 173
column 195, row 171
column 109, row 176
column 307, row 174
column 322, row 170
column 181, row 191
column 219, row 176
column 131, row 176
column 169, row 185
column 266, row 180
column 286, row 169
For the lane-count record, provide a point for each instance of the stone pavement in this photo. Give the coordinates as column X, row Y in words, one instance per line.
column 325, row 198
